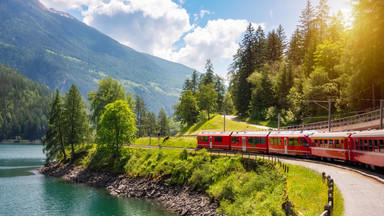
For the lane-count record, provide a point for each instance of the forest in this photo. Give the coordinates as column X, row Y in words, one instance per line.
column 24, row 106
column 325, row 59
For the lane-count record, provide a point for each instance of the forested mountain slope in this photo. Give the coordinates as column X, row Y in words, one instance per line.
column 56, row 50
column 24, row 106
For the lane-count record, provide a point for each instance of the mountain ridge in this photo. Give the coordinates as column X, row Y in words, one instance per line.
column 54, row 49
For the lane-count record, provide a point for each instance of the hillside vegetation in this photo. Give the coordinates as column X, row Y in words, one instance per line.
column 24, row 106
column 216, row 124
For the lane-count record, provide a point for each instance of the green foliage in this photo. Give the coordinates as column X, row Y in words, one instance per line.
column 182, row 142
column 75, row 118
column 228, row 105
column 116, row 126
column 207, row 98
column 54, row 141
column 163, row 123
column 187, row 108
column 109, row 91
column 24, row 106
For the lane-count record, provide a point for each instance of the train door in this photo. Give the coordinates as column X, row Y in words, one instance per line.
column 210, row 142
column 285, row 145
column 244, row 144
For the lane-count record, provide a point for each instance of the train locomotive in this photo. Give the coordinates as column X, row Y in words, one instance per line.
column 365, row 147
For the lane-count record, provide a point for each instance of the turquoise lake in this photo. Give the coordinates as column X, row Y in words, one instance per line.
column 23, row 191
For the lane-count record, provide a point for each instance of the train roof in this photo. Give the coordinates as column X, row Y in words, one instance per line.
column 264, row 133
column 214, row 133
column 330, row 135
column 291, row 133
column 371, row 133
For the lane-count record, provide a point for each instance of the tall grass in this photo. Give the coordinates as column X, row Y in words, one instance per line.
column 309, row 193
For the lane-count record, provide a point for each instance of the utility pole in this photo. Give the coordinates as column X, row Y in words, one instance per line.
column 224, row 121
column 329, row 115
column 381, row 113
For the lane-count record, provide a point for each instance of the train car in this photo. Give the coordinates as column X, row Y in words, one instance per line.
column 368, row 147
column 330, row 145
column 289, row 142
column 250, row 141
column 214, row 140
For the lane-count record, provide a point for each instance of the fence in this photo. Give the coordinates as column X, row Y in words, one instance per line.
column 328, row 208
column 365, row 117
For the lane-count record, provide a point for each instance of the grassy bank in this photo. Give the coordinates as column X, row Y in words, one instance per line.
column 308, row 192
column 257, row 189
column 183, row 142
column 216, row 123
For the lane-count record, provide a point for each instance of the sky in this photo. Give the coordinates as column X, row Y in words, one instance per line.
column 189, row 31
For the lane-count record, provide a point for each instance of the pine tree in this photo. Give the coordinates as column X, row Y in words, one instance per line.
column 209, row 76
column 163, row 123
column 54, row 138
column 140, row 112
column 294, row 53
column 220, row 89
column 76, row 121
column 194, row 81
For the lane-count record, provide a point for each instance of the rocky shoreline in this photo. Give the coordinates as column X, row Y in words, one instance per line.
column 182, row 200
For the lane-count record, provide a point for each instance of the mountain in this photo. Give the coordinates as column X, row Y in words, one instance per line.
column 24, row 106
column 55, row 49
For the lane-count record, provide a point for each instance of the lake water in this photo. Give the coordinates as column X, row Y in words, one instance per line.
column 23, row 191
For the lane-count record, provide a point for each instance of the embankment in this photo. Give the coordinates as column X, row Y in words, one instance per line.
column 182, row 200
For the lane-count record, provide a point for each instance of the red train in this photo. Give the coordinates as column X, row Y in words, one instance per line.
column 366, row 147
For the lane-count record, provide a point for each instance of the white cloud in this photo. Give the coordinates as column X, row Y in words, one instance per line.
column 218, row 41
column 203, row 12
column 67, row 4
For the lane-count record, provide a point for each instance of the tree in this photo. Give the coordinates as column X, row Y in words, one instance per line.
column 187, row 108
column 295, row 54
column 209, row 76
column 242, row 67
column 75, row 118
column 163, row 123
column 322, row 17
column 194, row 81
column 187, row 85
column 54, row 138
column 141, row 115
column 220, row 89
column 207, row 97
column 228, row 106
column 109, row 91
column 117, row 126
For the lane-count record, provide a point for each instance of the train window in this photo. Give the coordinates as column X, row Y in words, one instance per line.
column 304, row 142
column 366, row 145
column 204, row 139
column 376, row 146
column 218, row 139
column 275, row 141
column 251, row 140
column 370, row 145
column 262, row 140
column 321, row 143
column 337, row 143
column 342, row 144
column 361, row 145
column 325, row 143
column 331, row 143
column 357, row 144
column 293, row 142
column 235, row 140
column 381, row 145
column 314, row 142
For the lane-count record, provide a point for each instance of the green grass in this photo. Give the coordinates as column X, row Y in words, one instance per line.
column 182, row 142
column 216, row 123
column 260, row 122
column 308, row 192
